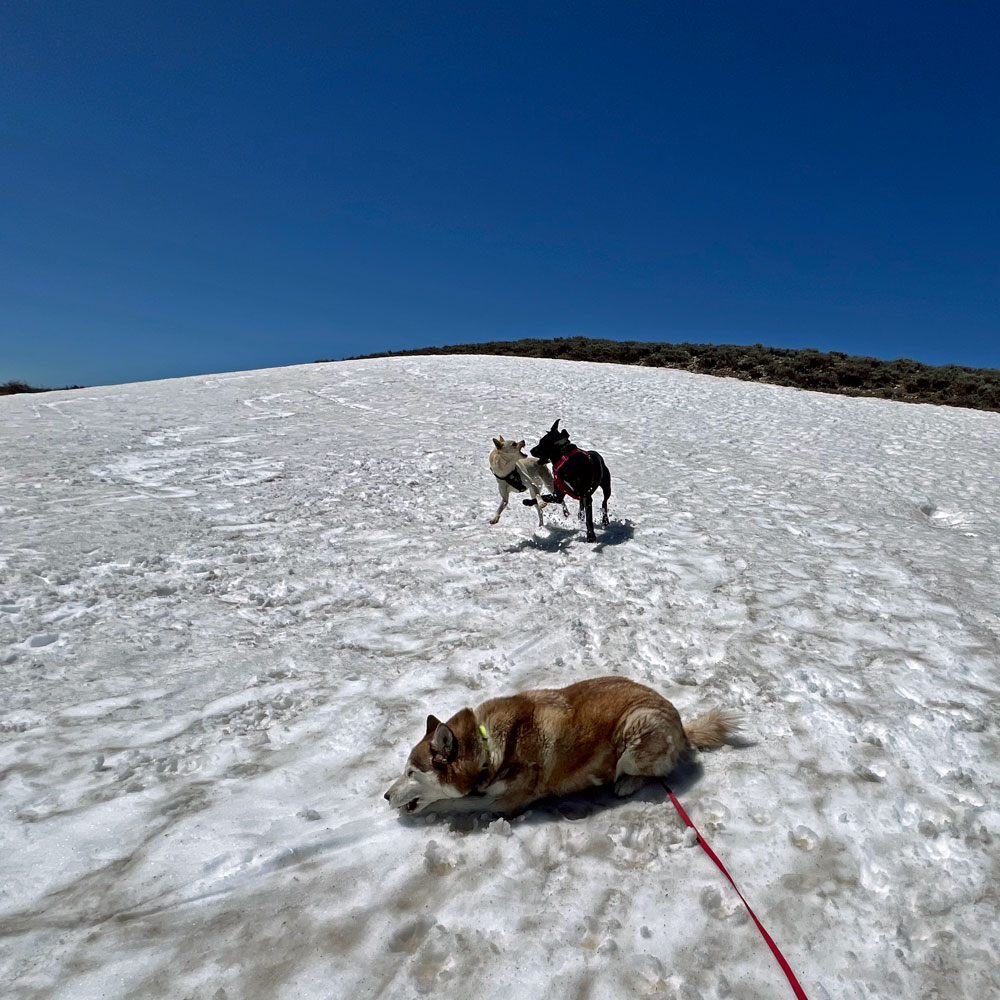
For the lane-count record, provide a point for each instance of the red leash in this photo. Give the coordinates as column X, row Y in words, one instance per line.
column 785, row 967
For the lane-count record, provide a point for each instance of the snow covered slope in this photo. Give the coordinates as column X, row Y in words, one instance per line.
column 228, row 603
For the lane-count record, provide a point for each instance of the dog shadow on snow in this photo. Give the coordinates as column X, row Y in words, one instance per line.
column 573, row 808
column 558, row 538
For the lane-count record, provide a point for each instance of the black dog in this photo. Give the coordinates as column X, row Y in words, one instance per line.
column 574, row 472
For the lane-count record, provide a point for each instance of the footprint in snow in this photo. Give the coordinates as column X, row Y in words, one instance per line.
column 42, row 639
column 803, row 838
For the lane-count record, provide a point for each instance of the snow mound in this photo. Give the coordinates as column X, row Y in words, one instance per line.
column 227, row 605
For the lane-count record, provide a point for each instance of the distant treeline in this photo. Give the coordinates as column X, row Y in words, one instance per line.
column 10, row 388
column 833, row 371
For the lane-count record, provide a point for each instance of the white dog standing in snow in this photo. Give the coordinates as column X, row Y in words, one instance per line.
column 519, row 472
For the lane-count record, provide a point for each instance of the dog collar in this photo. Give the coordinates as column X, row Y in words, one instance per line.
column 484, row 771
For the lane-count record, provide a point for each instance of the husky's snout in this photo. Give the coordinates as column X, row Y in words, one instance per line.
column 403, row 794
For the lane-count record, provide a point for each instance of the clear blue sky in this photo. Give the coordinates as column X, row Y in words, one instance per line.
column 194, row 187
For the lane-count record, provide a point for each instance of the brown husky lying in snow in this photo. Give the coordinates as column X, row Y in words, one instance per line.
column 509, row 752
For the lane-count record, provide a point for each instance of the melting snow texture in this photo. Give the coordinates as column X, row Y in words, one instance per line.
column 228, row 603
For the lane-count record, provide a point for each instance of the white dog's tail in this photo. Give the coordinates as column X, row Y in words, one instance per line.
column 712, row 729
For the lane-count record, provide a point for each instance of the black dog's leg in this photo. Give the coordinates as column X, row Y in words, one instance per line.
column 591, row 536
column 606, row 490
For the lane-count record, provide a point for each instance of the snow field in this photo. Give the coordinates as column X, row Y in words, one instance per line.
column 228, row 603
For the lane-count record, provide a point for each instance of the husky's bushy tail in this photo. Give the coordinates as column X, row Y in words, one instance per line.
column 712, row 729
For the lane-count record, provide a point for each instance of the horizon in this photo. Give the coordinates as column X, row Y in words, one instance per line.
column 190, row 192
column 416, row 351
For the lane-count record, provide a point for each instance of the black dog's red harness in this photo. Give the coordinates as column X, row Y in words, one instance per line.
column 557, row 480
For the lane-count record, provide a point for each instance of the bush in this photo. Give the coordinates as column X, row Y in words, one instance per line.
column 834, row 371
column 14, row 387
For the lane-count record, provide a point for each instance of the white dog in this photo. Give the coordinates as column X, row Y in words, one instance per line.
column 519, row 472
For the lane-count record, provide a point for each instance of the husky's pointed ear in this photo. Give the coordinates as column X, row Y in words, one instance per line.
column 432, row 723
column 555, row 426
column 498, row 442
column 520, row 445
column 444, row 746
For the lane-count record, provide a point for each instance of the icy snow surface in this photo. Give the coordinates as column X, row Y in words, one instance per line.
column 228, row 603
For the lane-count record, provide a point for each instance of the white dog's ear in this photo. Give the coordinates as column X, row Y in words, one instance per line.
column 498, row 442
column 520, row 445
column 444, row 746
